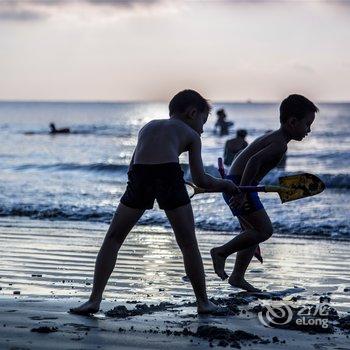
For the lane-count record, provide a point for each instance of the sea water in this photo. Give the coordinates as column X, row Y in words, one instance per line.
column 79, row 177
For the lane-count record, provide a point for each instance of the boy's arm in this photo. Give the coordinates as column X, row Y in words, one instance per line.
column 266, row 155
column 200, row 177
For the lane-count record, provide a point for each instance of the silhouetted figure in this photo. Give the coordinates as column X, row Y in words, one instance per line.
column 53, row 130
column 155, row 174
column 221, row 122
column 234, row 146
column 297, row 114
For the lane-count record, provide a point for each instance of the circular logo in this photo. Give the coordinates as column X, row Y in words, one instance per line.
column 276, row 315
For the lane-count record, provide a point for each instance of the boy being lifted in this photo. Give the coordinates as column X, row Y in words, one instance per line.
column 155, row 173
column 297, row 114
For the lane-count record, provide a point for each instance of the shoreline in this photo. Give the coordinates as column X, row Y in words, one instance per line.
column 101, row 226
column 52, row 267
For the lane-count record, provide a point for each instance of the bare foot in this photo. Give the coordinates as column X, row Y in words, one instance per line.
column 210, row 308
column 219, row 263
column 243, row 284
column 90, row 307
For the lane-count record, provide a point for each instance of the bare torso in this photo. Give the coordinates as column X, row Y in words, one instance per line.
column 162, row 141
column 275, row 140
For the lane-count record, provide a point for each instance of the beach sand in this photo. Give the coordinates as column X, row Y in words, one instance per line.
column 51, row 265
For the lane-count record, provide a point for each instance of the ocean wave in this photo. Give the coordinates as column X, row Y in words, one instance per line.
column 73, row 213
column 82, row 132
column 106, row 167
column 57, row 213
column 98, row 130
column 155, row 218
column 294, row 229
column 324, row 156
column 334, row 181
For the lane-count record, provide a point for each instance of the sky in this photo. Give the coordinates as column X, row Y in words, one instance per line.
column 138, row 50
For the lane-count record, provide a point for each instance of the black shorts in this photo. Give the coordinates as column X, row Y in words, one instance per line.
column 163, row 182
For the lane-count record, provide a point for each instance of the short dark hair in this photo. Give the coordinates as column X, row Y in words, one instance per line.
column 241, row 132
column 296, row 106
column 220, row 111
column 188, row 98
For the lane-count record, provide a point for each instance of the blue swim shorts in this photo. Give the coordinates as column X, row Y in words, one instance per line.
column 253, row 204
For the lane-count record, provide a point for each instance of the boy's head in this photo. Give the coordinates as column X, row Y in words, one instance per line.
column 191, row 107
column 221, row 112
column 297, row 113
column 241, row 133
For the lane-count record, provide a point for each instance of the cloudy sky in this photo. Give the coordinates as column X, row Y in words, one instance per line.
column 147, row 50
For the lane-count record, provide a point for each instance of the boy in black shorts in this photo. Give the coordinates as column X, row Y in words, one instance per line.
column 155, row 173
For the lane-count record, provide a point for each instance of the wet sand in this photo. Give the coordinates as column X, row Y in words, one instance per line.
column 50, row 265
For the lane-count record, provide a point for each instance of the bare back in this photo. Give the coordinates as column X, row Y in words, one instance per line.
column 162, row 141
column 235, row 145
column 271, row 147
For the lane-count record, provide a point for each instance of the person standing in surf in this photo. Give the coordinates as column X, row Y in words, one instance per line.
column 234, row 146
column 297, row 113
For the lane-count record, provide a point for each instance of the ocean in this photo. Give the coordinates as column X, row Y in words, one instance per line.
column 78, row 178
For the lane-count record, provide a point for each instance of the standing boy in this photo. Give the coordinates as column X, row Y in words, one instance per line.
column 297, row 113
column 155, row 173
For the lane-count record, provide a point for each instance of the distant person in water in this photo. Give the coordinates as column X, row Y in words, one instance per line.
column 53, row 130
column 221, row 122
column 155, row 173
column 234, row 146
column 297, row 114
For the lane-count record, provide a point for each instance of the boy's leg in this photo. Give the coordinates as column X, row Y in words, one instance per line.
column 123, row 221
column 242, row 262
column 261, row 231
column 182, row 222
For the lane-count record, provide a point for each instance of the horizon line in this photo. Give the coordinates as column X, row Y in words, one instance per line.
column 247, row 101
